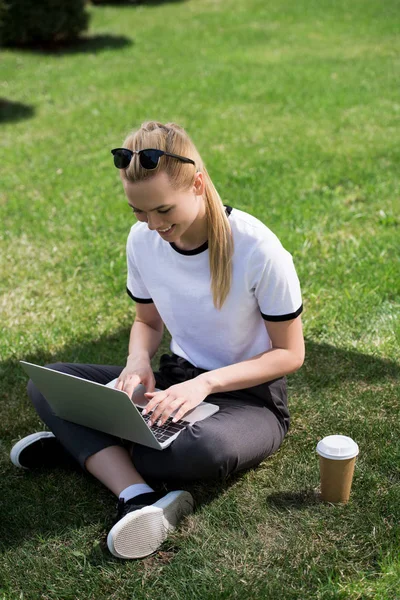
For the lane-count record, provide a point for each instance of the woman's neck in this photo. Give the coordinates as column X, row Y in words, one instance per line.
column 197, row 234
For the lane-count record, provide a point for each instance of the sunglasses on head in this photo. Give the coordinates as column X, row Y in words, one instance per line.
column 148, row 158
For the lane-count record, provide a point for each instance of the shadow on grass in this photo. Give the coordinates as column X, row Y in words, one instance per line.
column 298, row 500
column 80, row 45
column 49, row 503
column 327, row 366
column 14, row 111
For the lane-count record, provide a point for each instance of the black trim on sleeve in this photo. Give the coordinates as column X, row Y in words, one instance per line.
column 141, row 300
column 283, row 317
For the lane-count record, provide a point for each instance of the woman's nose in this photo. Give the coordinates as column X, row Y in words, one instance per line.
column 153, row 224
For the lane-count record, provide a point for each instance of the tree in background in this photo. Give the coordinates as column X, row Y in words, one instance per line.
column 24, row 22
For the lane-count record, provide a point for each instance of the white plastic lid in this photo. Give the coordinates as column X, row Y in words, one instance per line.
column 337, row 447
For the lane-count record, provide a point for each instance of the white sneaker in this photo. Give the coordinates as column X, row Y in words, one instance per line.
column 143, row 523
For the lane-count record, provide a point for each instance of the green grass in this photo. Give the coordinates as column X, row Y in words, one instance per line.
column 295, row 109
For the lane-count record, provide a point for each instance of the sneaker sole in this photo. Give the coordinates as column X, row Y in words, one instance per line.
column 26, row 441
column 142, row 532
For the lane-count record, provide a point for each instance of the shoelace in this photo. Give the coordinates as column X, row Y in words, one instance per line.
column 120, row 508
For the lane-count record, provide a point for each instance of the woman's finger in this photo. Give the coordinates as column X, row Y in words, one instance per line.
column 181, row 412
column 128, row 384
column 159, row 397
column 169, row 410
column 159, row 408
column 164, row 410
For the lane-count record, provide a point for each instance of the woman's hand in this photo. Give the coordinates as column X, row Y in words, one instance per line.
column 137, row 370
column 183, row 396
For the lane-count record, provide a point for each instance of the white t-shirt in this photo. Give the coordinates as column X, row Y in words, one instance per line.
column 265, row 287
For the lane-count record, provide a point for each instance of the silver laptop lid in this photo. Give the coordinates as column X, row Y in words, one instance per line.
column 103, row 407
column 91, row 404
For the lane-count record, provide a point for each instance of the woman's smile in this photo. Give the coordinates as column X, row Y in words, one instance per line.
column 168, row 232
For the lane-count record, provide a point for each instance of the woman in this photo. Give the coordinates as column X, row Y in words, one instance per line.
column 228, row 293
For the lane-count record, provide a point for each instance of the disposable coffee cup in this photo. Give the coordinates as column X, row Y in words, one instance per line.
column 337, row 457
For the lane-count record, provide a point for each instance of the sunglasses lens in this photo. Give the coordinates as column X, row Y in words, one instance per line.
column 122, row 158
column 149, row 158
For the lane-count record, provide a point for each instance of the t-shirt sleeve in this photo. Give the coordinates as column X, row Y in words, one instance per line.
column 135, row 287
column 275, row 283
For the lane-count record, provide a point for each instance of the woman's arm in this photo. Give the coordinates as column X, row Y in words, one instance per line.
column 146, row 335
column 147, row 331
column 285, row 356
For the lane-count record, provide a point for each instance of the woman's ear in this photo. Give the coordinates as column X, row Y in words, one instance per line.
column 199, row 184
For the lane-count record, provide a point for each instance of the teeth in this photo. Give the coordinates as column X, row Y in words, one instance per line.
column 165, row 230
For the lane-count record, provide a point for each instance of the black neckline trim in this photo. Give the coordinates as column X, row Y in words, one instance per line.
column 203, row 247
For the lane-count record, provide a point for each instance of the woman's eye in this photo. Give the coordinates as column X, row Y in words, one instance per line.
column 138, row 212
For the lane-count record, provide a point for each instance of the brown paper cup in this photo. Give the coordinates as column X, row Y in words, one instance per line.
column 336, row 479
column 337, row 458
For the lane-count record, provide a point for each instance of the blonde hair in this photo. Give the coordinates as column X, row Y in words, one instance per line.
column 173, row 138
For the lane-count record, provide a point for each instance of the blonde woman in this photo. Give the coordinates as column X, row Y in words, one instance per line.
column 228, row 293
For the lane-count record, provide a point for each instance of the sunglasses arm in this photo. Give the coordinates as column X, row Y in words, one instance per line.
column 182, row 158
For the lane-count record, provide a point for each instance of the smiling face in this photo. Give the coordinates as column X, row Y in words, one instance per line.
column 155, row 202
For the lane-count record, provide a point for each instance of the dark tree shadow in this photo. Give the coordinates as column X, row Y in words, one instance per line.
column 14, row 111
column 134, row 2
column 79, row 45
column 324, row 365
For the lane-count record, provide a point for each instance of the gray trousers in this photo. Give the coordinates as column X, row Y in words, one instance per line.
column 249, row 426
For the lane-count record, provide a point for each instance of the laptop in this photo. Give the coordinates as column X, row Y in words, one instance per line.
column 110, row 410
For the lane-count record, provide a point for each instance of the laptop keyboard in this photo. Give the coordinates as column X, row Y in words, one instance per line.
column 167, row 430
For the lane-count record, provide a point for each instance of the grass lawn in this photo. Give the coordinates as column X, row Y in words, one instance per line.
column 295, row 108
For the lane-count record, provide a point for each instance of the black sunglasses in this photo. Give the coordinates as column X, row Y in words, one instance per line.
column 148, row 158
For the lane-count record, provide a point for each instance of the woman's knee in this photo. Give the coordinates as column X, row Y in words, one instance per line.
column 219, row 452
column 210, row 458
